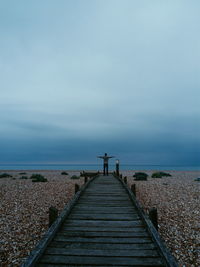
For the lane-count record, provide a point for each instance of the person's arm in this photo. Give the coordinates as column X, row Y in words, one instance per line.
column 100, row 157
column 111, row 157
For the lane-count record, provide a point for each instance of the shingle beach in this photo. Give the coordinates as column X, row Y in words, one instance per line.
column 24, row 211
column 177, row 200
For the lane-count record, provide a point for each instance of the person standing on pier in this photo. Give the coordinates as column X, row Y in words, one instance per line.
column 105, row 163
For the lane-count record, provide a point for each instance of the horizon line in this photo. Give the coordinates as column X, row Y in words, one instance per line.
column 92, row 164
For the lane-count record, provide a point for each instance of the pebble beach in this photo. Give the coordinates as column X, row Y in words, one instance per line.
column 24, row 210
column 177, row 200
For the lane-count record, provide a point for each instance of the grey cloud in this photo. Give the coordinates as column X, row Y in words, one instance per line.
column 121, row 76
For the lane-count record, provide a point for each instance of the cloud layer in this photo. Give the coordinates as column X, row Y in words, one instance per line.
column 79, row 78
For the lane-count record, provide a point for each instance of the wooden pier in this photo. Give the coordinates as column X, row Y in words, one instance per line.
column 103, row 226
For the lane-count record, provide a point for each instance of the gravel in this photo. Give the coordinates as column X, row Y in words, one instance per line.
column 177, row 200
column 24, row 211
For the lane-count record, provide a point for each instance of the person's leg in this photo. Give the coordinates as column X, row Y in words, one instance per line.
column 104, row 169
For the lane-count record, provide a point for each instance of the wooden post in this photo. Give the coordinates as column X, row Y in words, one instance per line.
column 125, row 180
column 153, row 216
column 53, row 215
column 133, row 189
column 120, row 176
column 117, row 167
column 86, row 179
column 77, row 188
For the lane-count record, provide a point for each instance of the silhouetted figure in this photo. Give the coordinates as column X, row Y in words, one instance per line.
column 105, row 163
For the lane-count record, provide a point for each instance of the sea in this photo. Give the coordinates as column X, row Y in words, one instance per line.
column 96, row 167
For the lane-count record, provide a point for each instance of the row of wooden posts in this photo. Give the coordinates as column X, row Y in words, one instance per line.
column 53, row 212
column 153, row 215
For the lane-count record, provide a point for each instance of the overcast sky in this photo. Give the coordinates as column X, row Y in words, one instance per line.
column 80, row 78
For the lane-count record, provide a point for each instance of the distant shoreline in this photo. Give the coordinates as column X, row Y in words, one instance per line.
column 94, row 167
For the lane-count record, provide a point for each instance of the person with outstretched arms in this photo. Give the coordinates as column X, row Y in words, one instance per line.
column 105, row 163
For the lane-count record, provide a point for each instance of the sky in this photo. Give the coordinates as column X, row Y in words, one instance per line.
column 79, row 78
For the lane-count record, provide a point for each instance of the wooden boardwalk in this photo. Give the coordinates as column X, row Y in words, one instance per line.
column 103, row 227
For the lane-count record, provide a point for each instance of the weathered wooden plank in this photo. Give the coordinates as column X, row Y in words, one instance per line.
column 119, row 205
column 104, row 209
column 66, row 232
column 72, row 265
column 103, row 183
column 100, row 206
column 126, row 202
column 107, row 195
column 106, row 212
column 107, row 188
column 99, row 223
column 106, row 240
column 102, row 252
column 104, row 229
column 99, row 265
column 107, row 198
column 140, row 246
column 89, row 260
column 111, row 217
column 106, row 202
column 111, row 186
column 103, row 180
column 106, row 191
column 95, row 211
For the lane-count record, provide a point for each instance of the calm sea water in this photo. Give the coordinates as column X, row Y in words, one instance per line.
column 95, row 167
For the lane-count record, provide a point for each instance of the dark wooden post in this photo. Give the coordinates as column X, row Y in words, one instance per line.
column 153, row 216
column 86, row 179
column 125, row 180
column 133, row 189
column 77, row 188
column 53, row 215
column 117, row 167
column 120, row 176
